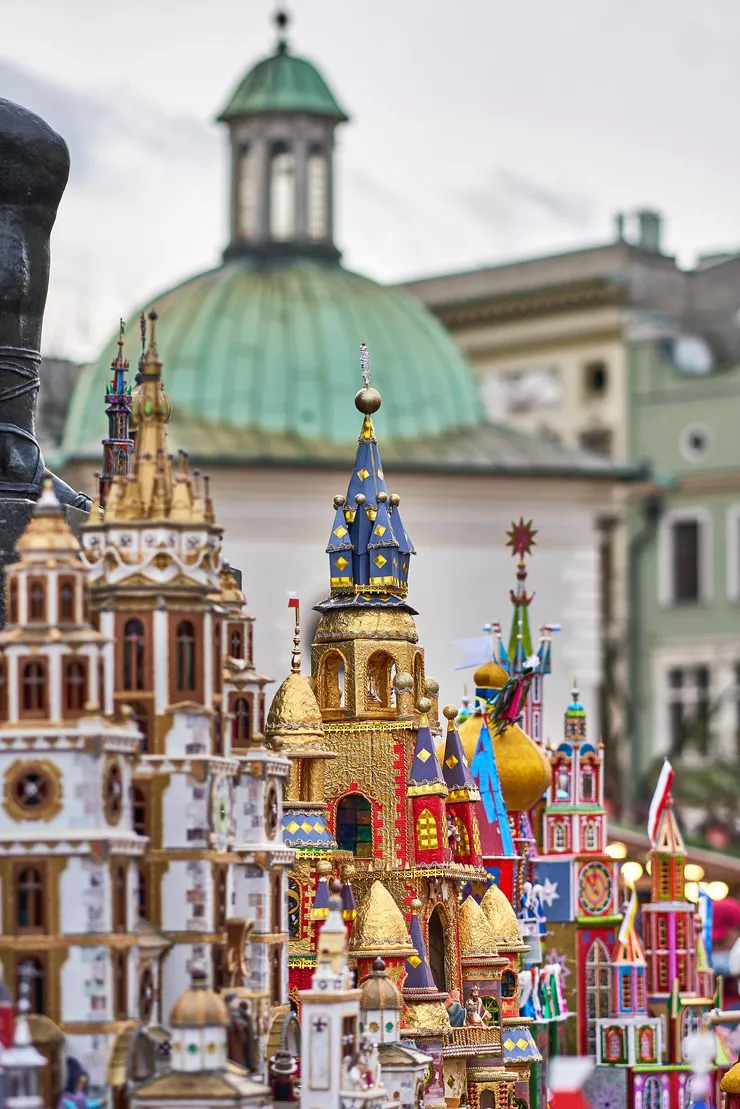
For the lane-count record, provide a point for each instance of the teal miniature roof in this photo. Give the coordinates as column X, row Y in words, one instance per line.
column 283, row 83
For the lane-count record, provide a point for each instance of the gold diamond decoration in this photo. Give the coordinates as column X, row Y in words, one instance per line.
column 318, row 828
column 521, row 1043
column 341, row 563
column 508, row 1044
column 292, row 827
column 450, row 1079
column 424, row 756
column 414, row 961
column 380, row 561
column 380, row 530
column 452, row 762
column 340, row 532
column 306, row 827
column 363, row 473
column 380, row 473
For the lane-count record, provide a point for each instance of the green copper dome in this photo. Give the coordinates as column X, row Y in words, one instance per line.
column 283, row 83
column 269, row 355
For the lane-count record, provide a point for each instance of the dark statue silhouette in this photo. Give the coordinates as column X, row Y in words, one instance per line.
column 34, row 166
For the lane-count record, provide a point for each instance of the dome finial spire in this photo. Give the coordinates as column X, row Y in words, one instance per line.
column 281, row 20
column 295, row 659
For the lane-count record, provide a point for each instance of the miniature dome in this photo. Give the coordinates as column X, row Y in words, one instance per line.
column 294, row 713
column 476, row 935
column 378, row 992
column 199, row 1007
column 730, row 1084
column 501, row 918
column 490, row 676
column 523, row 768
column 283, row 83
column 380, row 925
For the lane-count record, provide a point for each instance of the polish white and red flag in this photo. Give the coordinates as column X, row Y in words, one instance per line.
column 660, row 799
column 293, row 600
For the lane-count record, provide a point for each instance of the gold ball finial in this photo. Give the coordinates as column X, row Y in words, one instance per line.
column 415, row 905
column 360, row 499
column 450, row 711
column 395, row 499
column 431, row 685
column 424, row 705
column 368, row 400
column 403, row 682
column 348, row 871
column 339, row 501
column 323, row 867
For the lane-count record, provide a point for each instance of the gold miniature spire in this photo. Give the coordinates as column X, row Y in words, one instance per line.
column 295, row 659
column 150, row 414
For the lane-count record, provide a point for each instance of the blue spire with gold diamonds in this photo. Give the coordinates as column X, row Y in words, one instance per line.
column 426, row 774
column 418, row 971
column 369, row 549
column 457, row 773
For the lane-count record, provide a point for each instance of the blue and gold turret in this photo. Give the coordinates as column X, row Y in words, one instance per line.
column 369, row 549
column 118, row 447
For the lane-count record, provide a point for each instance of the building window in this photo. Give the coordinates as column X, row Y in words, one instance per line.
column 34, row 689
column 685, row 558
column 690, row 1022
column 30, row 900
column 427, row 837
column 218, row 665
column 120, row 985
column 185, row 662
column 595, row 379
column 331, row 680
column 236, row 641
column 3, row 689
column 250, row 641
column 75, row 686
column 354, row 826
column 587, row 783
column 36, row 601
column 559, row 838
column 147, row 995
column 246, row 193
column 598, row 990
column 317, row 174
column 646, row 1045
column 508, row 984
column 276, row 975
column 613, row 1045
column 294, row 909
column 140, row 811
column 31, row 969
column 694, row 442
column 120, row 897
column 462, row 848
column 241, row 721
column 13, row 601
column 282, row 194
column 689, row 709
column 276, row 901
column 140, row 717
column 597, row 440
column 378, row 681
column 133, row 654
column 221, row 897
column 438, row 950
column 66, row 601
column 591, row 836
column 652, row 1093
column 626, row 991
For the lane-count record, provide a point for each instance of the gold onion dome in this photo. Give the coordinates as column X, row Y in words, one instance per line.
column 48, row 530
column 730, row 1084
column 378, row 992
column 199, row 1007
column 476, row 934
column 523, row 768
column 490, row 676
column 379, row 925
column 294, row 713
column 501, row 918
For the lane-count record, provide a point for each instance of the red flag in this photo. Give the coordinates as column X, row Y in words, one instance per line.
column 293, row 600
column 658, row 803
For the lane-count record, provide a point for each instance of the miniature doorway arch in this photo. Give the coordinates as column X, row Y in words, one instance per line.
column 438, row 949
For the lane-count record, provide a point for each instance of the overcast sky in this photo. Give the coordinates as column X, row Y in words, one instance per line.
column 482, row 130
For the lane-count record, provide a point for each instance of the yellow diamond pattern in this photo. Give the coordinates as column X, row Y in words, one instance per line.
column 414, row 961
column 340, row 532
column 292, row 827
column 380, row 561
column 380, row 530
column 452, row 762
column 424, row 756
column 508, row 1044
column 318, row 827
column 521, row 1043
column 341, row 563
column 363, row 473
column 306, row 827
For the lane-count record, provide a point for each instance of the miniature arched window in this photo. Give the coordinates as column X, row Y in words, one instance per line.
column 282, row 193
column 688, row 1093
column 3, row 689
column 276, row 898
column 562, row 781
column 13, row 601
column 294, row 909
column 119, row 966
column 625, row 986
column 598, row 990
column 140, row 812
column 354, row 826
column 690, row 1022
column 652, row 1093
column 559, row 840
column 640, row 989
column 509, row 983
column 250, row 641
column 66, row 601
column 462, row 849
column 613, row 1045
column 591, row 836
column 133, row 654
column 438, row 949
column 75, row 685
column 33, row 688
column 418, row 678
column 587, row 783
column 236, row 641
column 147, row 994
column 276, row 975
column 662, row 933
column 185, row 662
column 487, row 1099
column 140, row 717
column 246, row 193
column 316, row 176
column 646, row 1045
column 218, row 734
column 36, row 602
column 241, row 721
column 427, row 835
column 492, row 1007
column 378, row 681
column 120, row 897
column 332, row 680
column 31, row 970
column 30, row 900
